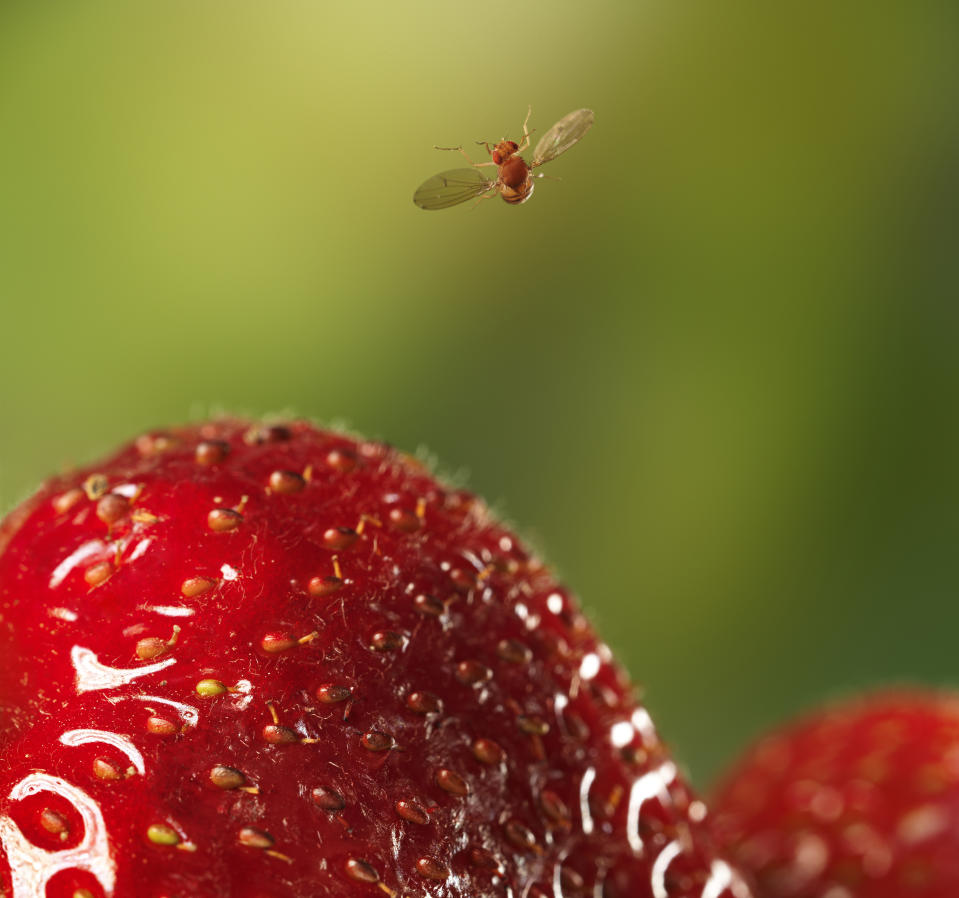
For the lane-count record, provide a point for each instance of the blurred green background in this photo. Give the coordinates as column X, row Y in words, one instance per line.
column 712, row 373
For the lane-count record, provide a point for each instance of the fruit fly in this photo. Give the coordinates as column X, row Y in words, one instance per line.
column 514, row 177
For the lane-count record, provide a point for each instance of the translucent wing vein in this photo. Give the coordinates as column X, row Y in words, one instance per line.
column 566, row 132
column 450, row 188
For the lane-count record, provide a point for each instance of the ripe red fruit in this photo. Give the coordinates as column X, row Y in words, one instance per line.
column 858, row 801
column 276, row 662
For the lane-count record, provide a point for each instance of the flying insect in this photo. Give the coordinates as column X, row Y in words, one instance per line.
column 514, row 177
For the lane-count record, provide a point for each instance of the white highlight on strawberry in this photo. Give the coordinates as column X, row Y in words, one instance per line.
column 92, row 675
column 657, row 876
column 64, row 614
column 589, row 666
column 141, row 549
column 644, row 725
column 621, row 733
column 473, row 559
column 532, row 621
column 585, row 784
column 243, row 694
column 650, row 785
column 189, row 714
column 170, row 610
column 122, row 743
column 229, row 573
column 720, row 879
column 31, row 867
column 560, row 701
column 74, row 559
column 558, row 875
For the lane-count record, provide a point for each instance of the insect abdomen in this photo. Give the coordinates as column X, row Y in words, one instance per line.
column 515, row 182
column 517, row 195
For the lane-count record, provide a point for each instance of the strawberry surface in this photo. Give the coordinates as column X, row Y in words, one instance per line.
column 858, row 801
column 277, row 662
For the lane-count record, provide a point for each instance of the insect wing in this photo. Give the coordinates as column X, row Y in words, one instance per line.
column 450, row 188
column 567, row 131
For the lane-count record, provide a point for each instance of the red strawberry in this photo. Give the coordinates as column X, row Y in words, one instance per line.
column 275, row 662
column 857, row 801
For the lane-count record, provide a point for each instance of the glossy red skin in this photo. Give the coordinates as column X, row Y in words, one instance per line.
column 858, row 801
column 553, row 813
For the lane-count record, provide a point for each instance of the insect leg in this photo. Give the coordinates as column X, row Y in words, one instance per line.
column 525, row 141
column 467, row 158
column 485, row 196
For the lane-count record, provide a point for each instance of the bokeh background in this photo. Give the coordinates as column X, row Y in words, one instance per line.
column 712, row 372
